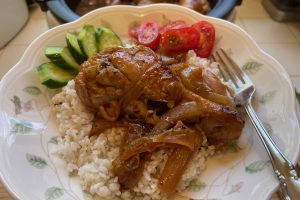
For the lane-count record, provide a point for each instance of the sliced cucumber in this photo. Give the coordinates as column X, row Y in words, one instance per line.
column 53, row 52
column 53, row 76
column 62, row 57
column 74, row 47
column 107, row 38
column 87, row 40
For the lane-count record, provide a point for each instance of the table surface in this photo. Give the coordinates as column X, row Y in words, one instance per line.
column 4, row 195
column 280, row 40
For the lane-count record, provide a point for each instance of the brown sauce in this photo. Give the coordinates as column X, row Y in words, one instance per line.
column 159, row 107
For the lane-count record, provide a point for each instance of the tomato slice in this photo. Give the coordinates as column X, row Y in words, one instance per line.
column 180, row 39
column 149, row 34
column 134, row 31
column 173, row 25
column 207, row 38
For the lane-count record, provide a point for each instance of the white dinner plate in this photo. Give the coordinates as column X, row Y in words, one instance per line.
column 28, row 131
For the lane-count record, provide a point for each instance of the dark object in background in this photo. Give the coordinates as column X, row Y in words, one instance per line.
column 64, row 10
column 85, row 6
column 30, row 2
column 283, row 10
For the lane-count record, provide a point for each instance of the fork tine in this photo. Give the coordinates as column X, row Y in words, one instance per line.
column 222, row 72
column 245, row 79
column 225, row 70
column 235, row 67
column 231, row 68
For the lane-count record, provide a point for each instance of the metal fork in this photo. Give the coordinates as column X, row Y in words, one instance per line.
column 244, row 90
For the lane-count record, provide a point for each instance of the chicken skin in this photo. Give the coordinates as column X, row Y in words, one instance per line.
column 158, row 106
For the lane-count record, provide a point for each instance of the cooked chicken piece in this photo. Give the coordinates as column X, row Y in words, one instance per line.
column 170, row 58
column 99, row 82
column 105, row 77
column 136, row 109
column 165, row 86
column 222, row 130
column 158, row 106
column 111, row 80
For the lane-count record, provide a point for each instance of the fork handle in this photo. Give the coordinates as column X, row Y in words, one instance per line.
column 283, row 168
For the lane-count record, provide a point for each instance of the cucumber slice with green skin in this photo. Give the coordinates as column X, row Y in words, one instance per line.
column 62, row 57
column 107, row 38
column 74, row 48
column 87, row 40
column 53, row 52
column 53, row 76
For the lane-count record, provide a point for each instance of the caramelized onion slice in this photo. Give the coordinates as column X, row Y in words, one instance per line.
column 189, row 110
column 173, row 170
column 218, row 98
column 100, row 125
column 129, row 172
column 196, row 107
column 204, row 83
column 180, row 135
column 128, row 167
column 182, row 112
column 214, row 83
column 137, row 146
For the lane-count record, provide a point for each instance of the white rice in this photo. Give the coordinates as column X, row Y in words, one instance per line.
column 193, row 59
column 91, row 157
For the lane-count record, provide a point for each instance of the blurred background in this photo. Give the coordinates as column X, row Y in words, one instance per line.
column 274, row 24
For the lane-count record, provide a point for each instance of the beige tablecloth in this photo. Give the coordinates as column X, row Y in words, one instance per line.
column 4, row 195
